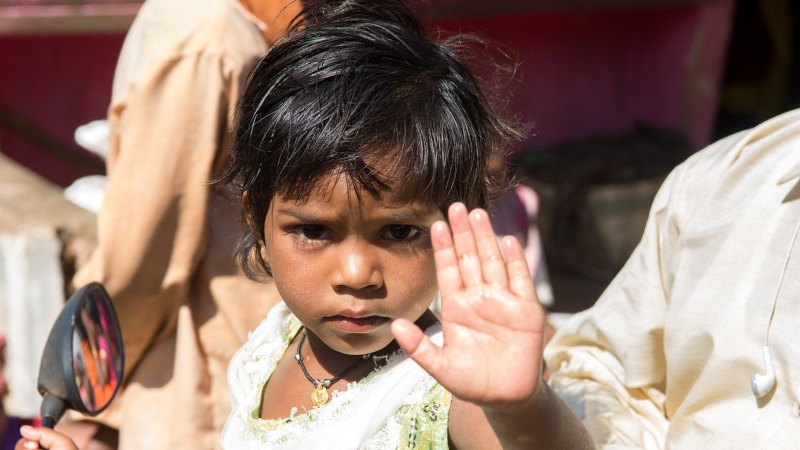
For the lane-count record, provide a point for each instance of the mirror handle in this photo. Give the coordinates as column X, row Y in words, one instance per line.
column 52, row 410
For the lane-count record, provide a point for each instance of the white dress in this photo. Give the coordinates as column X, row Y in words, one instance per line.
column 396, row 406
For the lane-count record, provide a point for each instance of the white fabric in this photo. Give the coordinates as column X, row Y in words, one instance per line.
column 31, row 296
column 93, row 136
column 363, row 416
column 664, row 359
column 87, row 192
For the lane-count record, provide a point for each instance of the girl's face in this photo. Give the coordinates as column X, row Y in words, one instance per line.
column 347, row 266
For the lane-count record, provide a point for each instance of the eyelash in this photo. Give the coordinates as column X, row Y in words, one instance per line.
column 416, row 232
column 300, row 231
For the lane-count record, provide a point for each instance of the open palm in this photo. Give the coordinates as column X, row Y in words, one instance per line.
column 491, row 318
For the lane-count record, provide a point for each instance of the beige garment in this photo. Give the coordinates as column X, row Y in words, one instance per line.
column 165, row 236
column 664, row 359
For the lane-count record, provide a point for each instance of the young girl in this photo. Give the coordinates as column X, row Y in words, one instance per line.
column 357, row 136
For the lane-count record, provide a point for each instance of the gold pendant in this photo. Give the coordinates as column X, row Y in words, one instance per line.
column 320, row 396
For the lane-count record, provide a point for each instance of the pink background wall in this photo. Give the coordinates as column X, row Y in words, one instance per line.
column 583, row 73
column 50, row 85
column 588, row 73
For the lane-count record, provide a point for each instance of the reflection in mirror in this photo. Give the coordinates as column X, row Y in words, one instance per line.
column 96, row 360
column 83, row 359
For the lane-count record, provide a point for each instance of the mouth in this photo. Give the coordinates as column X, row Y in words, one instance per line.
column 353, row 324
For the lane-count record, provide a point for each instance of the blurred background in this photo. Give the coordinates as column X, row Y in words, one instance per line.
column 618, row 93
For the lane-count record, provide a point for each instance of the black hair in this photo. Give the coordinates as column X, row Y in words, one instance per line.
column 352, row 83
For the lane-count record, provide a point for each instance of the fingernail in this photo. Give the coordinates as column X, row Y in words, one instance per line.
column 30, row 445
column 29, row 432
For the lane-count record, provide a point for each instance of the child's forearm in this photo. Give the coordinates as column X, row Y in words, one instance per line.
column 544, row 422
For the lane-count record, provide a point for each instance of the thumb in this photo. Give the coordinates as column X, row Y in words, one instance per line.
column 416, row 344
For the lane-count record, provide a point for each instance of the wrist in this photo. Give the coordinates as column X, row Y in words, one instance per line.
column 556, row 426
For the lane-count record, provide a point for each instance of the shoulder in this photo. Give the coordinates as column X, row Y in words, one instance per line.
column 734, row 169
column 276, row 330
column 251, row 366
column 197, row 25
column 768, row 146
column 166, row 32
column 265, row 345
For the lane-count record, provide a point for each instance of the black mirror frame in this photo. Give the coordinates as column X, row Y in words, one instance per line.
column 56, row 380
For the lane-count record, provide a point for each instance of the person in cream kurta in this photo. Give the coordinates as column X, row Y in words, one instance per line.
column 664, row 360
column 166, row 234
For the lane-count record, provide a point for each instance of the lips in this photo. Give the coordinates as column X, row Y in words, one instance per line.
column 356, row 324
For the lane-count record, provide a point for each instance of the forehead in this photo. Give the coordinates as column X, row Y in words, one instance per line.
column 339, row 190
column 377, row 172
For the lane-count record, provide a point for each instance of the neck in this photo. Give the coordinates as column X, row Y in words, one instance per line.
column 332, row 360
column 276, row 15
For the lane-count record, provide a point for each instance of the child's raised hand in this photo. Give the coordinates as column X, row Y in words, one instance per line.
column 492, row 321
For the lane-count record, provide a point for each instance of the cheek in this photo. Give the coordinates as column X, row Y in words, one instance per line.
column 294, row 287
column 429, row 282
column 417, row 278
column 290, row 272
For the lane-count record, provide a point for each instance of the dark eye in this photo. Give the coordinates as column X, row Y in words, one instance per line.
column 401, row 232
column 311, row 232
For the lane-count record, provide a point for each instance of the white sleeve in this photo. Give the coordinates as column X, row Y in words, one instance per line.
column 607, row 363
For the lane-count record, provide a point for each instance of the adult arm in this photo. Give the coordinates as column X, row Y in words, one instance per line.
column 609, row 362
column 152, row 228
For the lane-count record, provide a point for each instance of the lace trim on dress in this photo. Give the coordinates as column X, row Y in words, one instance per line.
column 397, row 405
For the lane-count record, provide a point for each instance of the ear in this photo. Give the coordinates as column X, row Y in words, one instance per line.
column 248, row 217
column 247, row 213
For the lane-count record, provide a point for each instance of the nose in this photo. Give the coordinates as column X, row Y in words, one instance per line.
column 359, row 269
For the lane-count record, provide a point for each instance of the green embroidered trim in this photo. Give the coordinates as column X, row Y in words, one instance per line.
column 426, row 427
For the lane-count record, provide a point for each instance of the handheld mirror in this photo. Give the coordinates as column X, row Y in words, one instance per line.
column 83, row 359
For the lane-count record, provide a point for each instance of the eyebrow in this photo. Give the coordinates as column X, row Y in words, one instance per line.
column 298, row 215
column 408, row 216
column 397, row 216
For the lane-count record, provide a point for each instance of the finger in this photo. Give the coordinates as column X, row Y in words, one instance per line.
column 519, row 276
column 493, row 266
column 30, row 438
column 464, row 242
column 448, row 274
column 45, row 437
column 24, row 444
column 416, row 345
column 53, row 440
